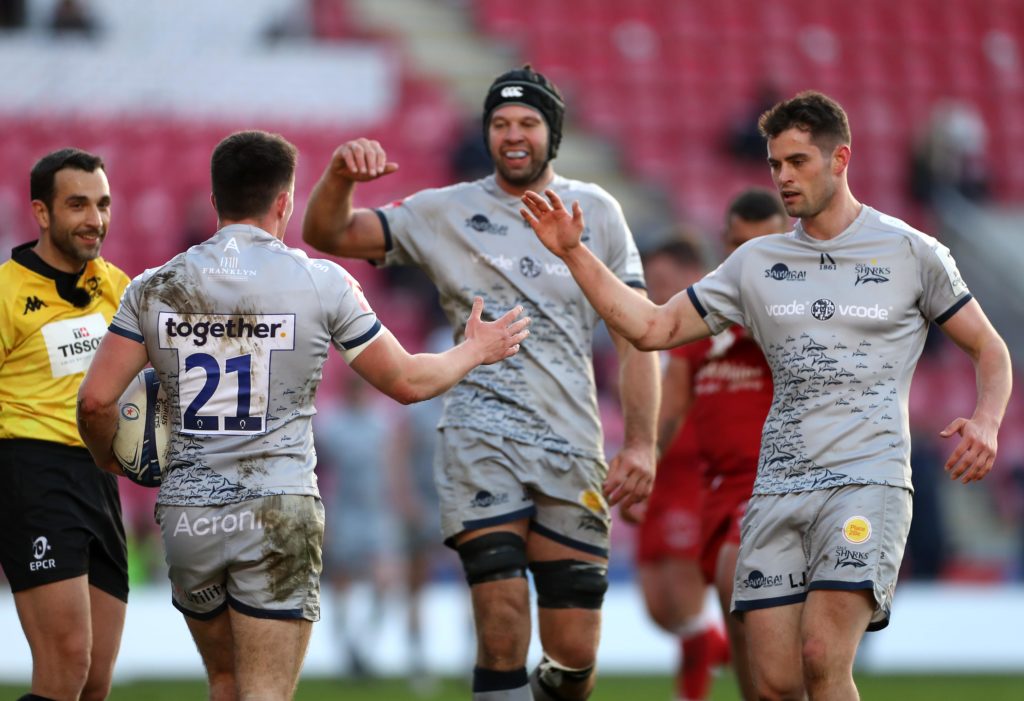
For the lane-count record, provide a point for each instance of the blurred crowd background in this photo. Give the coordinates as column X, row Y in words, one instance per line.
column 663, row 98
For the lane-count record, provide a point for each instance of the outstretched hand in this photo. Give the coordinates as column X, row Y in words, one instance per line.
column 498, row 339
column 557, row 229
column 361, row 160
column 974, row 457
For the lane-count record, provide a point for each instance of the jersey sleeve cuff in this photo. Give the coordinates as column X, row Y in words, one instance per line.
column 126, row 333
column 945, row 316
column 350, row 350
column 388, row 243
column 696, row 302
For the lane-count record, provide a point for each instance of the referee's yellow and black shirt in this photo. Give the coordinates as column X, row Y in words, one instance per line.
column 51, row 323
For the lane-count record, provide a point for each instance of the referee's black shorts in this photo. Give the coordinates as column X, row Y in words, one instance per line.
column 60, row 517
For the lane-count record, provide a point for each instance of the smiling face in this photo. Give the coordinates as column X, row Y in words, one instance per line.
column 807, row 178
column 73, row 226
column 518, row 140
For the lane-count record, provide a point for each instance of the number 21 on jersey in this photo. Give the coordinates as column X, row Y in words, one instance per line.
column 224, row 363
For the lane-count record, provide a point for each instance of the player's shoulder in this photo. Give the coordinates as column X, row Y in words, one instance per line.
column 324, row 275
column 159, row 273
column 769, row 243
column 438, row 197
column 320, row 269
column 888, row 225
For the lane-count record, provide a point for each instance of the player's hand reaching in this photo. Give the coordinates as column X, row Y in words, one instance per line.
column 558, row 229
column 498, row 339
column 973, row 458
column 360, row 160
column 630, row 477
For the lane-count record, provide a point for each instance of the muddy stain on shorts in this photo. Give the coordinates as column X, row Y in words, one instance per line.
column 292, row 548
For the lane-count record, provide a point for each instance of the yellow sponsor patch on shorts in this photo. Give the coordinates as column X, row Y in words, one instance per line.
column 857, row 529
column 594, row 501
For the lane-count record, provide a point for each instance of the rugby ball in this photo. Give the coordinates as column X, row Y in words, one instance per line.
column 143, row 430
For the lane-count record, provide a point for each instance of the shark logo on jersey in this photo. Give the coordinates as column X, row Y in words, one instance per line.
column 871, row 273
column 479, row 222
column 850, row 558
column 827, row 262
column 590, row 522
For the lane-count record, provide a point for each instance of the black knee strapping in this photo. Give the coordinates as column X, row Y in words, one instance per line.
column 569, row 584
column 550, row 677
column 494, row 556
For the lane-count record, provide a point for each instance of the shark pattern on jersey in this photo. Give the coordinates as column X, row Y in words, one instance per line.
column 238, row 329
column 842, row 324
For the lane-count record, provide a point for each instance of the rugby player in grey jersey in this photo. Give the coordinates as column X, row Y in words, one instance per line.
column 520, row 469
column 840, row 307
column 238, row 329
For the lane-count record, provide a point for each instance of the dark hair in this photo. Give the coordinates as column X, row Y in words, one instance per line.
column 809, row 111
column 248, row 170
column 42, row 177
column 683, row 251
column 525, row 86
column 756, row 204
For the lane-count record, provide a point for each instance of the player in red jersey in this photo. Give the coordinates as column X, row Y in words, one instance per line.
column 669, row 536
column 723, row 387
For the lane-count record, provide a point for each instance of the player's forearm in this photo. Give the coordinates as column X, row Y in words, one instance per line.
column 630, row 315
column 427, row 375
column 640, row 382
column 994, row 378
column 328, row 214
column 97, row 424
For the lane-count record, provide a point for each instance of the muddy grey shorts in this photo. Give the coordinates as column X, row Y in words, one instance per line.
column 846, row 538
column 485, row 480
column 262, row 557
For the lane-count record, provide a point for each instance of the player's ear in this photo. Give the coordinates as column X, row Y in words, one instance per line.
column 42, row 214
column 283, row 204
column 841, row 158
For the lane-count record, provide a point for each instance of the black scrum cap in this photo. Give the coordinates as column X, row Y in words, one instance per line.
column 525, row 86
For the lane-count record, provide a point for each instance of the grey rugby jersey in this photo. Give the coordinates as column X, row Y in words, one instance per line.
column 238, row 329
column 842, row 324
column 471, row 240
